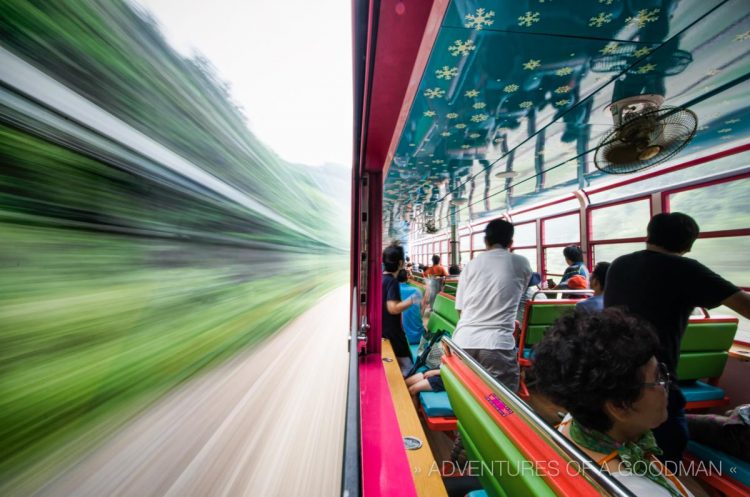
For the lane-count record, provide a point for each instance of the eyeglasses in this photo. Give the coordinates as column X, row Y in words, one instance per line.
column 663, row 379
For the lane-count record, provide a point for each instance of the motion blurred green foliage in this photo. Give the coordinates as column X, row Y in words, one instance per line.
column 116, row 287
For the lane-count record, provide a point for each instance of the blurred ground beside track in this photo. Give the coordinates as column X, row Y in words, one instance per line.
column 269, row 422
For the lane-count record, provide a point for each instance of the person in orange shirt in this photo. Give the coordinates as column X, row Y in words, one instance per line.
column 436, row 269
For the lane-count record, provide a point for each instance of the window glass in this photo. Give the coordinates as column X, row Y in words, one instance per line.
column 530, row 254
column 464, row 243
column 554, row 262
column 524, row 234
column 730, row 205
column 564, row 229
column 620, row 221
column 465, row 257
column 444, row 246
column 478, row 240
column 611, row 251
column 725, row 256
column 743, row 327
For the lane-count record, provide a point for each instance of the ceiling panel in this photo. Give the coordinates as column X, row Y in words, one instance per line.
column 496, row 96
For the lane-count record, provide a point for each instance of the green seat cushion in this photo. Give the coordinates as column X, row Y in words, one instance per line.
column 546, row 314
column 695, row 365
column 534, row 333
column 708, row 336
column 446, row 308
column 438, row 322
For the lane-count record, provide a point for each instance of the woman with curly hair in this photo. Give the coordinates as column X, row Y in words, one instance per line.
column 602, row 369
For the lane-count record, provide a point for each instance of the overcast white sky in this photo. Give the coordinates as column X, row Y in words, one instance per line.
column 288, row 64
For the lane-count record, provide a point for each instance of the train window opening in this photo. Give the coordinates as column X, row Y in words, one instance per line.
column 607, row 252
column 623, row 220
column 729, row 201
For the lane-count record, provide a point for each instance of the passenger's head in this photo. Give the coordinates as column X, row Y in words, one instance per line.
column 572, row 254
column 498, row 232
column 402, row 276
column 674, row 232
column 454, row 270
column 601, row 367
column 393, row 258
column 435, row 259
column 599, row 277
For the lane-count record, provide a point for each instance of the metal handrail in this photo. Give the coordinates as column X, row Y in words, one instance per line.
column 563, row 290
column 351, row 476
column 587, row 465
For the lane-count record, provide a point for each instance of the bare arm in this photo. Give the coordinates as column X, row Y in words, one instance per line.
column 396, row 307
column 740, row 303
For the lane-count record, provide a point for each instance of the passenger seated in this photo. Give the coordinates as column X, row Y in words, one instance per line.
column 429, row 381
column 598, row 278
column 411, row 318
column 729, row 433
column 601, row 368
column 576, row 267
column 577, row 282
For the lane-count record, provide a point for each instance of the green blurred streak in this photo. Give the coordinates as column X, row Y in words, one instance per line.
column 117, row 288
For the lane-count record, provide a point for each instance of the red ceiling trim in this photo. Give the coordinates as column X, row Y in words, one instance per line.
column 405, row 34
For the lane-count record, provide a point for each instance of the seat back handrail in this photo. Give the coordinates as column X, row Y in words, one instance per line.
column 587, row 465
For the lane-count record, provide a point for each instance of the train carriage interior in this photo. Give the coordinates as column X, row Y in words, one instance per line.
column 576, row 122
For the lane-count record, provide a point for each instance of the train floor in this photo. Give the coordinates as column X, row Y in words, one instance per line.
column 269, row 422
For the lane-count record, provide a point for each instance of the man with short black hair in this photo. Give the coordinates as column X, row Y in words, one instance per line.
column 661, row 286
column 489, row 289
column 597, row 282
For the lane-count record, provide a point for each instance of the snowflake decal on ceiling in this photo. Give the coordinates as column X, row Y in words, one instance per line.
column 461, row 48
column 742, row 36
column 434, row 93
column 465, row 146
column 474, row 135
column 445, row 133
column 438, row 161
column 643, row 17
column 646, row 68
column 472, row 93
column 479, row 105
column 446, row 72
column 600, row 20
column 480, row 19
column 606, row 2
column 429, row 113
column 732, row 121
column 562, row 89
column 460, row 126
column 610, row 48
column 725, row 130
column 642, row 52
column 564, row 71
column 532, row 64
column 451, row 115
column 702, row 128
column 478, row 118
column 510, row 88
column 562, row 102
column 528, row 19
column 526, row 104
